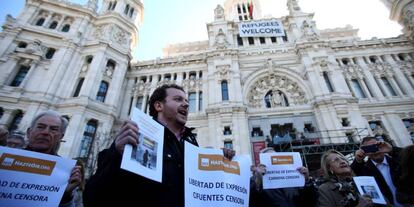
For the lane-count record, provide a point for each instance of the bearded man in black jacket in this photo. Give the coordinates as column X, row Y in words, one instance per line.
column 112, row 185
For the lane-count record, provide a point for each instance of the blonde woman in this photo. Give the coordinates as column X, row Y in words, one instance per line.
column 339, row 189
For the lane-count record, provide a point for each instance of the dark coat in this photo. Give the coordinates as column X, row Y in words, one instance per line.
column 283, row 197
column 113, row 186
column 369, row 169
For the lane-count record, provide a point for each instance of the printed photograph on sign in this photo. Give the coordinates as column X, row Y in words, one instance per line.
column 146, row 152
column 370, row 191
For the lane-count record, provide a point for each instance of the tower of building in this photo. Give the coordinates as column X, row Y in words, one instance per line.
column 70, row 58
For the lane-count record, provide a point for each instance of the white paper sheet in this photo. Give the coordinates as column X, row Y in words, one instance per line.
column 145, row 159
column 213, row 181
column 32, row 179
column 367, row 185
column 282, row 170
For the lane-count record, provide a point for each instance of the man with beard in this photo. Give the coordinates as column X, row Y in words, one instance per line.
column 382, row 164
column 168, row 105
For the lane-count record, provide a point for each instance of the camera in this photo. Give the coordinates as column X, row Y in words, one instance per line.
column 370, row 148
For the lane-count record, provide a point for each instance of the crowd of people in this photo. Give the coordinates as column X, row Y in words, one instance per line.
column 392, row 167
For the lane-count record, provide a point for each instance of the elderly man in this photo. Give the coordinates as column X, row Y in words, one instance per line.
column 44, row 135
column 383, row 165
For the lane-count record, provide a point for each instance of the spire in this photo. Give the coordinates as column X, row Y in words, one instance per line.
column 93, row 5
column 293, row 7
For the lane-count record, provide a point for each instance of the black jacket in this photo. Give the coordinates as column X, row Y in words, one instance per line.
column 369, row 169
column 113, row 186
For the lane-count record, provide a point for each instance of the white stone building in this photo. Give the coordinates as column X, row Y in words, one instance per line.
column 308, row 88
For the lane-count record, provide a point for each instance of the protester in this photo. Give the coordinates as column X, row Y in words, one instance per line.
column 339, row 189
column 16, row 140
column 111, row 185
column 405, row 189
column 44, row 135
column 3, row 135
column 281, row 197
column 383, row 165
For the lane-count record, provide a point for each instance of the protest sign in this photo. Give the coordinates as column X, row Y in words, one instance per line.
column 368, row 186
column 281, row 170
column 32, row 179
column 146, row 158
column 212, row 180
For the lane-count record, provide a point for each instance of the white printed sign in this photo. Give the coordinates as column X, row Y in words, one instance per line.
column 32, row 179
column 145, row 159
column 368, row 186
column 212, row 180
column 281, row 170
column 264, row 28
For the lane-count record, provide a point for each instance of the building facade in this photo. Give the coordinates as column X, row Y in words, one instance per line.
column 305, row 88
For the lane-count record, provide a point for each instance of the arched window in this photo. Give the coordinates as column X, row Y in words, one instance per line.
column 131, row 12
column 200, row 101
column 22, row 45
column 192, row 102
column 16, row 121
column 21, row 74
column 328, row 82
column 388, row 86
column 113, row 5
column 66, row 28
column 78, row 87
column 40, row 21
column 359, row 93
column 110, row 5
column 50, row 52
column 224, row 91
column 53, row 25
column 88, row 137
column 126, row 9
column 103, row 89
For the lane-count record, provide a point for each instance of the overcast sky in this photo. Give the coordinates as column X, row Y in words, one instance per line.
column 178, row 21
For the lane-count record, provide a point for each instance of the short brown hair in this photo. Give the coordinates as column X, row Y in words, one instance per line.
column 159, row 95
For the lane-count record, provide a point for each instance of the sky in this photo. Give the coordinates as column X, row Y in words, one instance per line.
column 178, row 21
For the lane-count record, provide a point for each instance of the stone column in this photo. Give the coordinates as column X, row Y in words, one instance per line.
column 394, row 84
column 382, row 85
column 7, row 71
column 399, row 76
column 115, row 85
column 94, row 75
column 372, row 84
column 396, row 129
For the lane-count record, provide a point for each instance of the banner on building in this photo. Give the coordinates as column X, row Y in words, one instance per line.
column 32, row 179
column 264, row 28
column 212, row 180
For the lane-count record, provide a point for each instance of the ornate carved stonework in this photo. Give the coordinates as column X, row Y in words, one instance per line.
column 274, row 82
column 141, row 88
column 308, row 32
column 223, row 72
column 192, row 84
column 380, row 68
column 219, row 13
column 112, row 32
column 221, row 40
column 352, row 70
column 109, row 71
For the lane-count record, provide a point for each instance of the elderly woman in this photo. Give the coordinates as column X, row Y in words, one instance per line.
column 339, row 189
